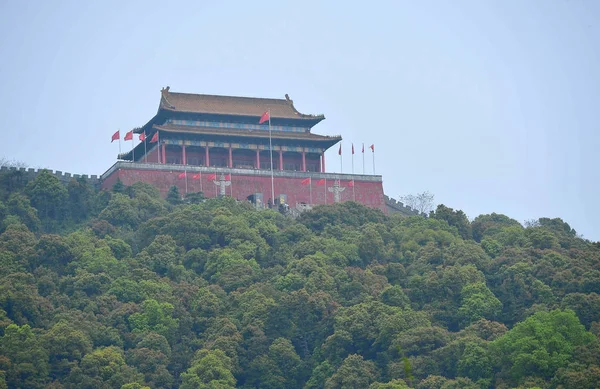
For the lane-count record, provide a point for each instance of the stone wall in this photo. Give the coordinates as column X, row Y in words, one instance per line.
column 31, row 174
column 393, row 206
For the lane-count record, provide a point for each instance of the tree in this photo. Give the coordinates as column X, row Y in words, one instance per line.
column 540, row 345
column 27, row 358
column 103, row 368
column 49, row 196
column 173, row 196
column 478, row 302
column 210, row 370
column 354, row 373
column 422, row 202
column 454, row 218
column 393, row 384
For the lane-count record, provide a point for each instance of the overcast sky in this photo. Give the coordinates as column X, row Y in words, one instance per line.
column 492, row 106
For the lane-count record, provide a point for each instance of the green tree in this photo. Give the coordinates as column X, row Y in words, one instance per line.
column 393, row 384
column 478, row 302
column 156, row 317
column 354, row 373
column 211, row 369
column 540, row 345
column 49, row 196
column 454, row 218
column 27, row 365
column 173, row 196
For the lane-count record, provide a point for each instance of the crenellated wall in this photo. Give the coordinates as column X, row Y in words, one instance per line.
column 393, row 206
column 31, row 174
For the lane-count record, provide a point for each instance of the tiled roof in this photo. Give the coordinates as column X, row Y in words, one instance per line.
column 232, row 105
column 247, row 133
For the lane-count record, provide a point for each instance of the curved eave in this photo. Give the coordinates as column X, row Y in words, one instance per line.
column 305, row 120
column 276, row 136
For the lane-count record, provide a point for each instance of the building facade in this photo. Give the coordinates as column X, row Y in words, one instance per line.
column 215, row 144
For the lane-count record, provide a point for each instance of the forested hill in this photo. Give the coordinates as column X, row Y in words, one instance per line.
column 122, row 289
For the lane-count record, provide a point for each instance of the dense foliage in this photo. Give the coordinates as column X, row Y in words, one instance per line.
column 122, row 289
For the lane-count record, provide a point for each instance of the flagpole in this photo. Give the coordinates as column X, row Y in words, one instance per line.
column 373, row 160
column 145, row 148
column 132, row 149
column 363, row 153
column 119, row 141
column 271, row 153
column 352, row 158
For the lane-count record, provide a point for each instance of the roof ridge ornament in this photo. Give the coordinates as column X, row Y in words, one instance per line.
column 164, row 93
column 302, row 115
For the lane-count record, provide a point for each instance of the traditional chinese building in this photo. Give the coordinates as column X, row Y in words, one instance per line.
column 216, row 145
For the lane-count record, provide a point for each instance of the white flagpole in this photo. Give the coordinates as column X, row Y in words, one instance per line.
column 145, row 148
column 373, row 160
column 132, row 150
column 363, row 153
column 352, row 158
column 271, row 153
column 119, row 141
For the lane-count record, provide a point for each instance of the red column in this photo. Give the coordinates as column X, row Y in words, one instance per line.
column 303, row 160
column 184, row 159
column 280, row 159
column 206, row 157
column 230, row 158
column 323, row 162
column 258, row 158
column 164, row 153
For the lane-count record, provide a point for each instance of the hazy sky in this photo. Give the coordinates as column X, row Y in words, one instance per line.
column 492, row 106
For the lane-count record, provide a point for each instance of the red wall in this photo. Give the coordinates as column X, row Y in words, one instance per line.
column 366, row 192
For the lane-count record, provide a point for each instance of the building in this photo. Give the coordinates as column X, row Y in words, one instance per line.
column 215, row 144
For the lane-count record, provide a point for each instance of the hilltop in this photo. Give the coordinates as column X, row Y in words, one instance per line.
column 123, row 289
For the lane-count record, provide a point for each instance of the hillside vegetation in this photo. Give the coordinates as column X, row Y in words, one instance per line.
column 123, row 289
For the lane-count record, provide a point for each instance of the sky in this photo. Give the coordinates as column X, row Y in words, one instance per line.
column 492, row 106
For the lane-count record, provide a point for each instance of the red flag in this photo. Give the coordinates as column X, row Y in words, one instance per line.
column 228, row 177
column 372, row 147
column 115, row 137
column 197, row 176
column 129, row 135
column 265, row 117
column 321, row 182
column 305, row 181
column 352, row 148
column 340, row 150
column 154, row 138
column 351, row 183
column 363, row 149
column 181, row 175
column 142, row 136
column 211, row 177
